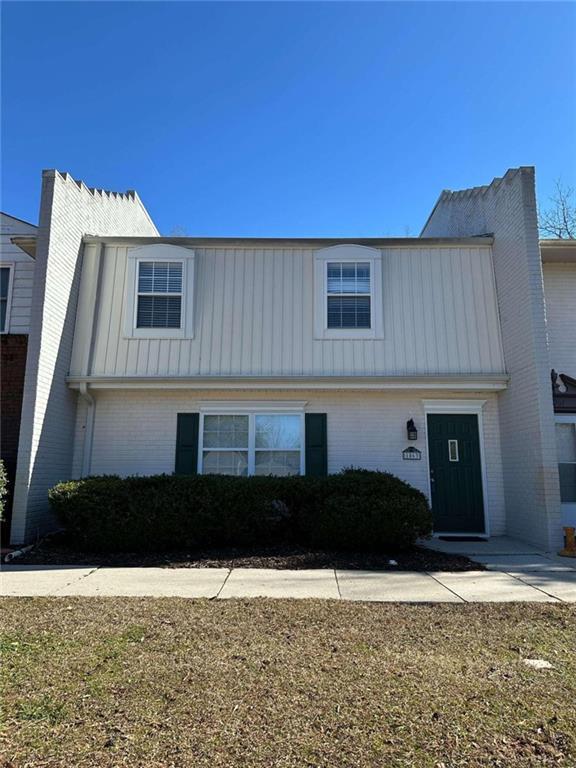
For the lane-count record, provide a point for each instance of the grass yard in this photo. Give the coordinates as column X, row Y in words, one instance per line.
column 168, row 682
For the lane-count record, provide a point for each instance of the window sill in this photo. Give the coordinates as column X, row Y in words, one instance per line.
column 359, row 334
column 158, row 333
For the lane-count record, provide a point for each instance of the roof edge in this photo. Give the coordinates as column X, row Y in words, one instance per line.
column 407, row 242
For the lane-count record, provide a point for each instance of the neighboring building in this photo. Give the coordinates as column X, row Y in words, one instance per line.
column 559, row 268
column 16, row 280
column 297, row 355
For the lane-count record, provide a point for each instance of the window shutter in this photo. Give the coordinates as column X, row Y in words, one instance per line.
column 187, row 444
column 316, row 445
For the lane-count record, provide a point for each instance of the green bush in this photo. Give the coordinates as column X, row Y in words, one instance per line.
column 3, row 488
column 356, row 509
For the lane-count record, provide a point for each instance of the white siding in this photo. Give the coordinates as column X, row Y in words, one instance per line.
column 253, row 315
column 560, row 291
column 22, row 275
column 135, row 432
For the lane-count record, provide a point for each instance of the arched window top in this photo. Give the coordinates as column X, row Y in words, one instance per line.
column 348, row 251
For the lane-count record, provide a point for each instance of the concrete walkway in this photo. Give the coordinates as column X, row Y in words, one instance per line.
column 554, row 583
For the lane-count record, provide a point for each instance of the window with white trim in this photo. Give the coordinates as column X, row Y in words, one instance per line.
column 159, row 292
column 348, row 295
column 251, row 444
column 566, row 451
column 159, row 301
column 4, row 297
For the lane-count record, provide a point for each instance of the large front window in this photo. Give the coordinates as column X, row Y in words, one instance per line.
column 251, row 444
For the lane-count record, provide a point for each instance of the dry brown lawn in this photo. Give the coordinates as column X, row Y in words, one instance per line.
column 113, row 682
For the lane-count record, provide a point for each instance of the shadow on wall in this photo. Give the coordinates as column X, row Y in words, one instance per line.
column 53, row 460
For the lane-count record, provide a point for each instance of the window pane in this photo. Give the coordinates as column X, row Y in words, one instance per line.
column 348, row 277
column 277, row 463
column 158, row 312
column 567, row 482
column 334, row 278
column 348, row 311
column 278, row 431
column 3, row 304
column 225, row 463
column 160, row 277
column 453, row 450
column 4, row 281
column 145, row 276
column 362, row 278
column 566, row 442
column 225, row 431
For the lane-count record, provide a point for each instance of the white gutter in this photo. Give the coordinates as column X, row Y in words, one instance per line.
column 489, row 382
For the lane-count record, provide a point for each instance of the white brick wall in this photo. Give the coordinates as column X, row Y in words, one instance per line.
column 560, row 290
column 507, row 209
column 68, row 210
column 135, row 432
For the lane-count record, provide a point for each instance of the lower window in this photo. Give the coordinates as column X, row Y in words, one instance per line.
column 252, row 444
column 566, row 448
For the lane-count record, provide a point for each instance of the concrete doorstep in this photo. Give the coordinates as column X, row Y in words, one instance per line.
column 529, row 585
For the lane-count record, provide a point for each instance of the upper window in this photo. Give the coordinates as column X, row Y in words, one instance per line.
column 251, row 444
column 4, row 297
column 159, row 297
column 159, row 294
column 348, row 294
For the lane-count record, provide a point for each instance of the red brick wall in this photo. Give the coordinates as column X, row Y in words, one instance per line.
column 12, row 367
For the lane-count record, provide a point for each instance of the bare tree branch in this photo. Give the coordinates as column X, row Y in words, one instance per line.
column 559, row 219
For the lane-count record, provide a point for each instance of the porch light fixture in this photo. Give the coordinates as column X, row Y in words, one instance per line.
column 411, row 430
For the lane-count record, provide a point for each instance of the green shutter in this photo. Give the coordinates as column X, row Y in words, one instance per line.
column 187, row 444
column 316, row 445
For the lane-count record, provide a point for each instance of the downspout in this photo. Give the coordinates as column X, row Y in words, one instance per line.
column 89, row 429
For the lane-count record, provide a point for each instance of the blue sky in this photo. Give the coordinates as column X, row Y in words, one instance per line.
column 286, row 119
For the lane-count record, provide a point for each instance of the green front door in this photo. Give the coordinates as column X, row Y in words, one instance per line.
column 455, row 473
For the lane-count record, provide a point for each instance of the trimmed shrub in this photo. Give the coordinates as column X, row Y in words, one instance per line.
column 367, row 511
column 356, row 509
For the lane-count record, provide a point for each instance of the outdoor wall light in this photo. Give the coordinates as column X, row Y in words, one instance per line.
column 411, row 430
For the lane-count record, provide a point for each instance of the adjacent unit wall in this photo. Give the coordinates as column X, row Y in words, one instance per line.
column 135, row 432
column 507, row 209
column 22, row 266
column 254, row 316
column 68, row 211
column 560, row 290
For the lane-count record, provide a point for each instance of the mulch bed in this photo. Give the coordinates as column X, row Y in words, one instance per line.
column 55, row 551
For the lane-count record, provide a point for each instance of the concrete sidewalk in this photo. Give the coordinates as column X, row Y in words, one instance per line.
column 552, row 584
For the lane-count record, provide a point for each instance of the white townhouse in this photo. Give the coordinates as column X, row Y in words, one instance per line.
column 426, row 357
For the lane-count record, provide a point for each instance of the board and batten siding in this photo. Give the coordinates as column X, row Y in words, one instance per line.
column 560, row 293
column 254, row 316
